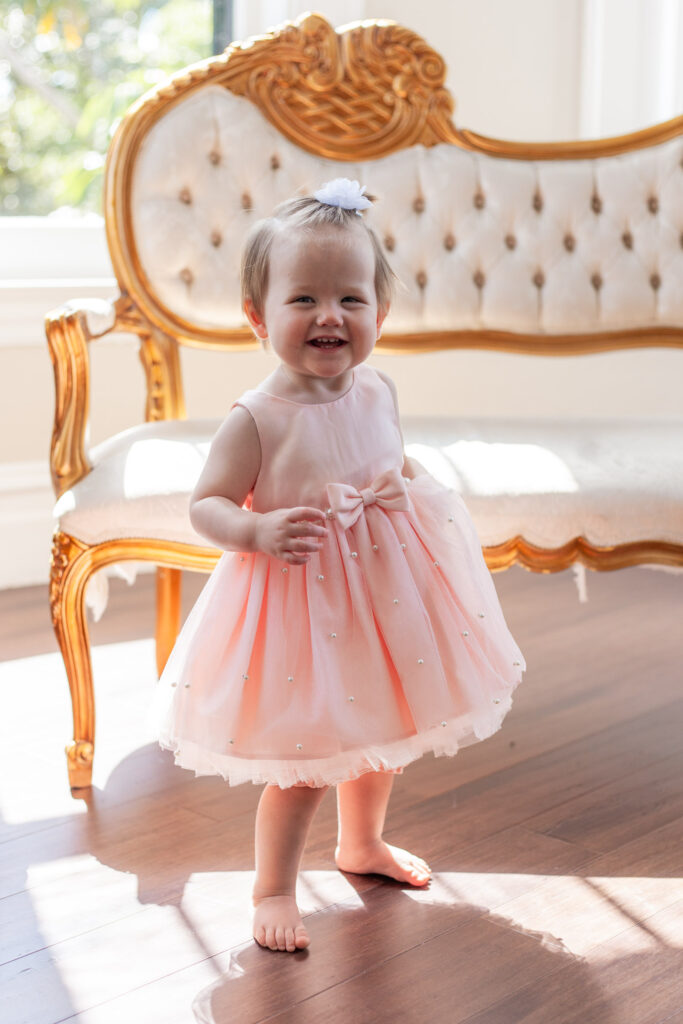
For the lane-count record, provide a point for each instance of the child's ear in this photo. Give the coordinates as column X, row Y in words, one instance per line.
column 381, row 317
column 258, row 324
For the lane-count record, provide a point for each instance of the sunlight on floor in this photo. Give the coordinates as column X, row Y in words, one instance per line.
column 38, row 716
column 578, row 912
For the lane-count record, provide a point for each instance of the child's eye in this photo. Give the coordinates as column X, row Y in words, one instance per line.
column 303, row 298
column 350, row 298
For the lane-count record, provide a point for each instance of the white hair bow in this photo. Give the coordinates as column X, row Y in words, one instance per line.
column 345, row 193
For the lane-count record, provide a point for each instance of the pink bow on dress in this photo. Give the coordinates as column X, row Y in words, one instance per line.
column 346, row 503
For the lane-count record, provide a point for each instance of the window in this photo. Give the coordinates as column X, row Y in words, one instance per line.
column 68, row 70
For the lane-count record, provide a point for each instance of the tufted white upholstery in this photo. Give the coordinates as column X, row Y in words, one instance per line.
column 478, row 242
column 610, row 481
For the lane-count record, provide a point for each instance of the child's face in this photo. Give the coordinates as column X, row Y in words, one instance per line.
column 320, row 313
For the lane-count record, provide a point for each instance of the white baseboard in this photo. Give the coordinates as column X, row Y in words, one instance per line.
column 26, row 501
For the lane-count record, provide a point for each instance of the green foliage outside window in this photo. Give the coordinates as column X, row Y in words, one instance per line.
column 68, row 71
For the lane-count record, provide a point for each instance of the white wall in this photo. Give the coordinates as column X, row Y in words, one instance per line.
column 519, row 70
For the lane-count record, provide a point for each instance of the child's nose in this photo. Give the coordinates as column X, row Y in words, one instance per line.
column 330, row 313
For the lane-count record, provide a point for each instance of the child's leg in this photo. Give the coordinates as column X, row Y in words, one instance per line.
column 282, row 822
column 362, row 806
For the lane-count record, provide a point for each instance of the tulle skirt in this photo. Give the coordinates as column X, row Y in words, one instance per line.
column 389, row 643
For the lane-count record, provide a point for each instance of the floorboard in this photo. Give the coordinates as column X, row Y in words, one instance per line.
column 556, row 845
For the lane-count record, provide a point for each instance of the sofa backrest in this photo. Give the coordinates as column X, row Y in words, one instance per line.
column 565, row 248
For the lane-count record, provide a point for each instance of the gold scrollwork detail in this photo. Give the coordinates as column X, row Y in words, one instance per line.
column 80, row 753
column 79, row 762
column 161, row 362
column 579, row 550
column 383, row 85
column 64, row 548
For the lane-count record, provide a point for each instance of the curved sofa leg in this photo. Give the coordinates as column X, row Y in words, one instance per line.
column 70, row 569
column 169, row 591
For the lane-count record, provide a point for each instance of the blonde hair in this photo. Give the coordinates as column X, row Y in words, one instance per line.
column 305, row 211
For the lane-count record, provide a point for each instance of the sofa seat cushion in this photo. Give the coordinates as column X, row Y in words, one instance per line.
column 612, row 481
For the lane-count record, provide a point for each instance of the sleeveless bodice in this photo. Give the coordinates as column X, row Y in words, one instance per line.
column 351, row 440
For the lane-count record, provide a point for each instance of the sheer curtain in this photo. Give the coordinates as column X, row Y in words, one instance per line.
column 631, row 70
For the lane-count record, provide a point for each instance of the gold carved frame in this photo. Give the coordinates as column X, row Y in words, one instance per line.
column 363, row 92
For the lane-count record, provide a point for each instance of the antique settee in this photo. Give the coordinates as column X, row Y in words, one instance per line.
column 551, row 249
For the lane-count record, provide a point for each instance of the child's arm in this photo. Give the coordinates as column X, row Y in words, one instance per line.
column 411, row 467
column 216, row 512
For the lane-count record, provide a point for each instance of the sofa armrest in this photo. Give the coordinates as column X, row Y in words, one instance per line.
column 69, row 329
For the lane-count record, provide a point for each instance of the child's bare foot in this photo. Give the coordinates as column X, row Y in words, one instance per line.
column 278, row 925
column 383, row 859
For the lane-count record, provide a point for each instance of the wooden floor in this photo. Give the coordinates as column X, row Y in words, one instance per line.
column 557, row 845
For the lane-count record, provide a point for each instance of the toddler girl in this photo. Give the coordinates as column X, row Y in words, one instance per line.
column 351, row 624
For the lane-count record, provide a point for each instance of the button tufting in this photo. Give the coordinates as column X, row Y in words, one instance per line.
column 421, row 279
column 214, row 157
column 246, row 201
column 511, row 241
column 419, row 204
column 389, row 243
column 627, row 239
column 596, row 281
column 449, row 242
column 539, row 279
column 479, row 200
column 653, row 204
column 216, row 239
column 596, row 203
column 537, row 202
column 479, row 279
column 186, row 275
column 655, row 281
column 185, row 196
column 569, row 242
column 275, row 162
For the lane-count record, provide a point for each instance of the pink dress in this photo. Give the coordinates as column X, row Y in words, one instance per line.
column 388, row 643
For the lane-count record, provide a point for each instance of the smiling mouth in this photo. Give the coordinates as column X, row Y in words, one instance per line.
column 327, row 342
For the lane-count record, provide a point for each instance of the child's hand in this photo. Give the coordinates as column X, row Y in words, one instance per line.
column 292, row 534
